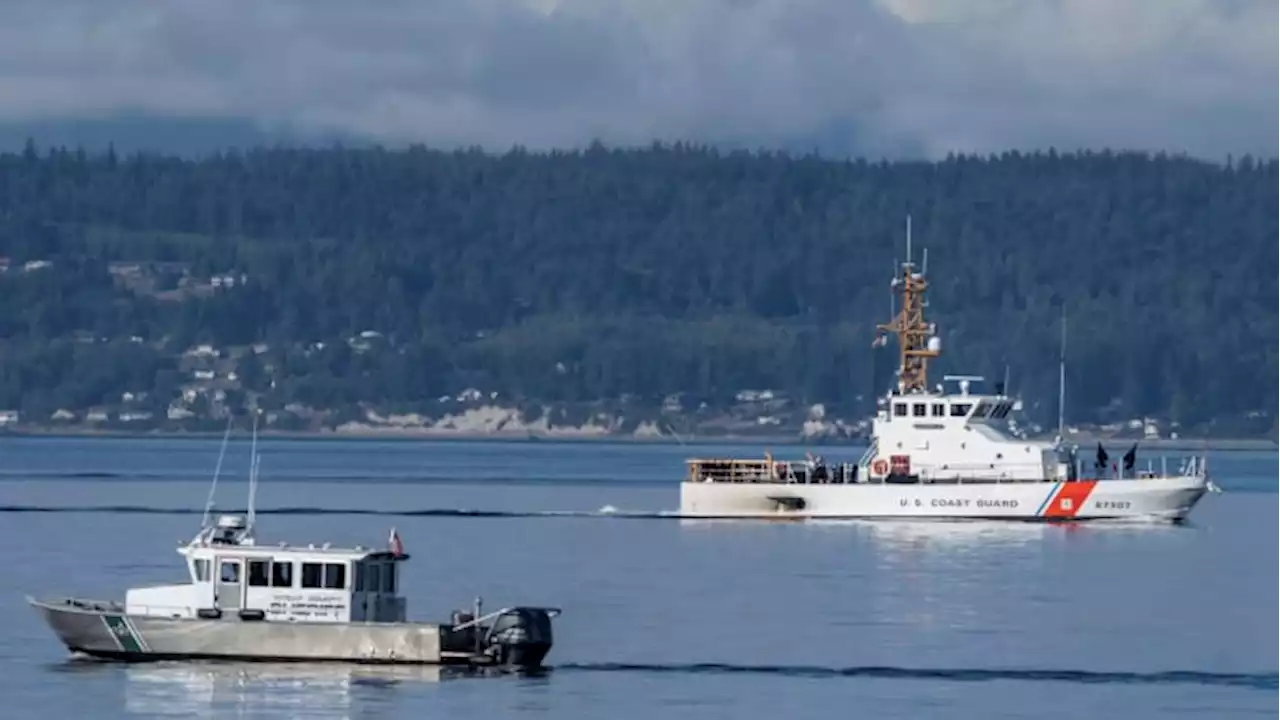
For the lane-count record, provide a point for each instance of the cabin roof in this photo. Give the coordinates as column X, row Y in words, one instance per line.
column 282, row 550
column 935, row 395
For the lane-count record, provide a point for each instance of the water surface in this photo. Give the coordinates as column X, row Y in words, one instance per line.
column 662, row 616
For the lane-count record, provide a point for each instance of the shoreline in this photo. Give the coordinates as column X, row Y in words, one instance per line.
column 408, row 434
column 413, row 434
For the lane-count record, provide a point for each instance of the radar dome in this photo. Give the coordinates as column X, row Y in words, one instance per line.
column 935, row 344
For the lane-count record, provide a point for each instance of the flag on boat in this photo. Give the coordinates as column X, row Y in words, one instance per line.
column 397, row 547
column 880, row 341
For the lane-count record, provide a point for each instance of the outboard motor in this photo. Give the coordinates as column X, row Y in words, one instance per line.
column 520, row 637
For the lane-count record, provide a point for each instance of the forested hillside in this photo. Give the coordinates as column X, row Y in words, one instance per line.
column 347, row 280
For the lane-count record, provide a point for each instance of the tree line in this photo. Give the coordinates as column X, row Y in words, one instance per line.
column 603, row 273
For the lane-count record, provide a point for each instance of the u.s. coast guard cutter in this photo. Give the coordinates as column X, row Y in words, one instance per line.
column 941, row 453
column 280, row 603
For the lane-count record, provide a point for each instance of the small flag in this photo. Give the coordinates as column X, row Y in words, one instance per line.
column 880, row 341
column 397, row 547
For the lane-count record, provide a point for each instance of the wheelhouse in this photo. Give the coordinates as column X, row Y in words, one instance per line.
column 229, row 573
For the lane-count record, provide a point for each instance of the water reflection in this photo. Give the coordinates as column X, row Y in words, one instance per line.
column 896, row 531
column 950, row 534
column 960, row 534
column 216, row 690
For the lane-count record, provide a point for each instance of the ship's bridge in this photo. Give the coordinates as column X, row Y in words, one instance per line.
column 956, row 433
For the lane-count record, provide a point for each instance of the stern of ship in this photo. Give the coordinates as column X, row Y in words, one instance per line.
column 517, row 638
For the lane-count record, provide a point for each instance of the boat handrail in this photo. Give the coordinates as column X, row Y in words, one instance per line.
column 749, row 470
column 754, row 470
column 968, row 480
column 144, row 609
column 870, row 454
column 84, row 604
column 952, row 476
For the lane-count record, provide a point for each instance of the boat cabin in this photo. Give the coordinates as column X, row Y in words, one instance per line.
column 952, row 434
column 231, row 575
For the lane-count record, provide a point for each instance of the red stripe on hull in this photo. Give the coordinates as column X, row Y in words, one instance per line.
column 1069, row 499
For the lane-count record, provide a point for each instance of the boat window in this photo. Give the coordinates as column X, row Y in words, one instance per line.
column 389, row 578
column 960, row 409
column 374, row 580
column 258, row 573
column 900, row 409
column 939, row 409
column 229, row 572
column 281, row 574
column 359, row 579
column 983, row 409
column 311, row 575
column 919, row 410
column 202, row 570
column 335, row 576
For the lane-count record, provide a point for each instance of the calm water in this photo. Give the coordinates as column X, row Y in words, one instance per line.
column 663, row 618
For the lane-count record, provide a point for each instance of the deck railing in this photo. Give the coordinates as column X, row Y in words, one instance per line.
column 764, row 471
column 732, row 470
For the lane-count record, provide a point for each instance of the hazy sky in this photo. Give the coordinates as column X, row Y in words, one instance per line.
column 878, row 76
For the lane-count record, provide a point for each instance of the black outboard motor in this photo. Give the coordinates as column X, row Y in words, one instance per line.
column 520, row 637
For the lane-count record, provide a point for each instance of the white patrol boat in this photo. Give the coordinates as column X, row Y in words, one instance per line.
column 943, row 453
column 284, row 603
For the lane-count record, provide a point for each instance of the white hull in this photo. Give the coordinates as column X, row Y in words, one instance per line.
column 1166, row 498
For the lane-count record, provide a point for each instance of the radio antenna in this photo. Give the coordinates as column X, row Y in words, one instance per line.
column 1062, row 375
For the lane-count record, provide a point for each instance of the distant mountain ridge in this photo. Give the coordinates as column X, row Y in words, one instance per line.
column 183, row 136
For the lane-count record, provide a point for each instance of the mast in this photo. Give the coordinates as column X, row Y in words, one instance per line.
column 253, row 477
column 916, row 342
column 1062, row 375
column 213, row 487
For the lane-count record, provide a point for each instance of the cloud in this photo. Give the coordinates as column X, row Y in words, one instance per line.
column 892, row 76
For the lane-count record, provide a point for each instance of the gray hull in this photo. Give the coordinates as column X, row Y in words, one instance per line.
column 103, row 629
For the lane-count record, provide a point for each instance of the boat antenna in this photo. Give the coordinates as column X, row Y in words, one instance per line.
column 908, row 238
column 893, row 294
column 1062, row 375
column 672, row 429
column 213, row 487
column 253, row 475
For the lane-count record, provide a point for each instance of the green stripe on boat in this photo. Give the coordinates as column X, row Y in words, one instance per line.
column 119, row 627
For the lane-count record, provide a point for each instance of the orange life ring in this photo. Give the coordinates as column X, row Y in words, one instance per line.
column 880, row 467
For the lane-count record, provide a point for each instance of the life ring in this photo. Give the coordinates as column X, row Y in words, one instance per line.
column 880, row 467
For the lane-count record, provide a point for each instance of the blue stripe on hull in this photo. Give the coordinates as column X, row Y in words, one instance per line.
column 1056, row 486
